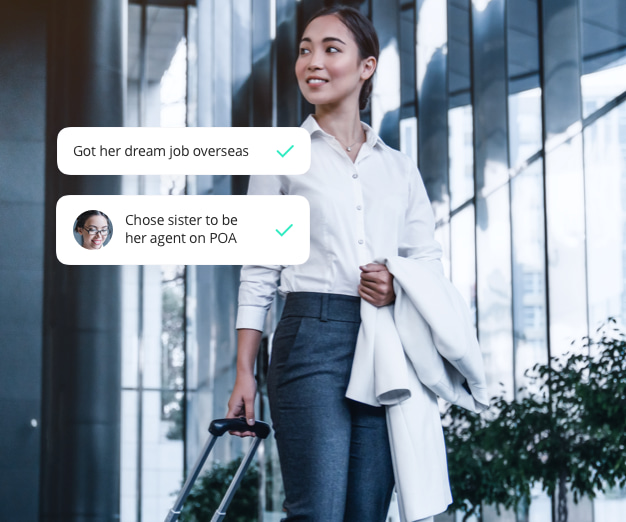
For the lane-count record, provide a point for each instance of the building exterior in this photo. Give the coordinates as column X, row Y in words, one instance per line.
column 513, row 110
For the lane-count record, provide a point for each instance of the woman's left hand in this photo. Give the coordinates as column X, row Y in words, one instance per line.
column 376, row 284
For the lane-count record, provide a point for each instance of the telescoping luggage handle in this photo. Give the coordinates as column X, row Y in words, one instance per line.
column 217, row 429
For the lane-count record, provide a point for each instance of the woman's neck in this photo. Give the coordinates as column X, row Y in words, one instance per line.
column 342, row 123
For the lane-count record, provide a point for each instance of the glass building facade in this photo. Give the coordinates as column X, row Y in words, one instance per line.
column 513, row 110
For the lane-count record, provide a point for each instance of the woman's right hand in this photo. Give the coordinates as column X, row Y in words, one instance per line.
column 241, row 403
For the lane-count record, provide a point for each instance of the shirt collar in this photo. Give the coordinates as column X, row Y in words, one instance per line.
column 311, row 125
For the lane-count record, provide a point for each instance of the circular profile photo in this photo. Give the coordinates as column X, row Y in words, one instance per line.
column 93, row 229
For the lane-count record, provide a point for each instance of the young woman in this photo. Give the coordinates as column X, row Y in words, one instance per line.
column 367, row 202
column 93, row 226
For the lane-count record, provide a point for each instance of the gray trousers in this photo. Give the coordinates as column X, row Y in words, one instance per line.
column 334, row 452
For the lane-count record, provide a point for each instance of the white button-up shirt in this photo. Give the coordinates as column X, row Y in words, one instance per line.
column 374, row 208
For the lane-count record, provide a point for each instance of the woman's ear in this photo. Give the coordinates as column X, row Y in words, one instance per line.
column 369, row 66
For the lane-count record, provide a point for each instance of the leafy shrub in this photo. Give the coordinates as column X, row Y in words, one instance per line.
column 209, row 489
column 568, row 434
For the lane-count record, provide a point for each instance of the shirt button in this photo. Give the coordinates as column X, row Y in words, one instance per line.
column 360, row 241
column 355, row 175
column 358, row 207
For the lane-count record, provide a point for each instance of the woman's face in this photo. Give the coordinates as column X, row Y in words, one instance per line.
column 94, row 241
column 329, row 69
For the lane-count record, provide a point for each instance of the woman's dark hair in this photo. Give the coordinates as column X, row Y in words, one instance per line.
column 364, row 35
column 80, row 220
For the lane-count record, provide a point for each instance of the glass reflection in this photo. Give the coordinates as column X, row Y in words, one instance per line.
column 600, row 87
column 386, row 95
column 432, row 37
column 525, row 138
column 610, row 505
column 287, row 111
column 481, row 5
column 463, row 256
column 493, row 255
column 527, row 202
column 174, row 89
column 529, row 277
column 459, row 76
column 433, row 105
column 522, row 45
column 163, row 460
column 540, row 509
column 489, row 93
column 461, row 155
column 565, row 204
column 406, row 36
column 385, row 100
column 603, row 52
column 524, row 101
column 408, row 137
column 221, row 72
column 128, row 460
column 564, row 176
column 605, row 184
column 173, row 349
column 242, row 62
column 131, row 115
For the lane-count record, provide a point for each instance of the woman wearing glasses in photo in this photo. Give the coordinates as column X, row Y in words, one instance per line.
column 94, row 227
column 367, row 202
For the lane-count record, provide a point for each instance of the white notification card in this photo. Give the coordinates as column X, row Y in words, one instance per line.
column 190, row 151
column 182, row 230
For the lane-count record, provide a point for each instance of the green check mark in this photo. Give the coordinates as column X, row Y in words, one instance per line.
column 283, row 233
column 282, row 156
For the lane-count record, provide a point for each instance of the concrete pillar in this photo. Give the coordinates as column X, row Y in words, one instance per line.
column 81, row 361
column 22, row 136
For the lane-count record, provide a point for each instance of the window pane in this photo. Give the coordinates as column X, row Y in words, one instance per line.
column 601, row 87
column 162, row 470
column 609, row 506
column 525, row 136
column 522, row 45
column 604, row 52
column 605, row 180
column 494, row 292
column 128, row 462
column 461, row 151
column 529, row 276
column 463, row 256
column 566, row 245
column 459, row 76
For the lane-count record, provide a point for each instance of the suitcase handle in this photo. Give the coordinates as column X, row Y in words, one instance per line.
column 220, row 426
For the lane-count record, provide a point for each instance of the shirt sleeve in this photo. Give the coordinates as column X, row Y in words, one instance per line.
column 258, row 283
column 418, row 240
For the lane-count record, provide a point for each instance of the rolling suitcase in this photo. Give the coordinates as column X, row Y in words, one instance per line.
column 217, row 429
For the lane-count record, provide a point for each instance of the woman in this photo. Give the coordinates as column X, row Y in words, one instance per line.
column 93, row 226
column 367, row 202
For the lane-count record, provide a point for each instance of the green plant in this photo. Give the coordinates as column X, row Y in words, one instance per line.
column 568, row 434
column 210, row 488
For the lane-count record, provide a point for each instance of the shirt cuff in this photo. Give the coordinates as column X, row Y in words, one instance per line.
column 252, row 317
